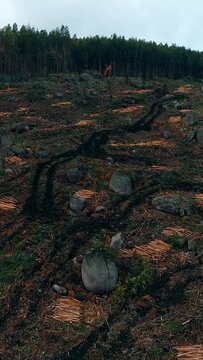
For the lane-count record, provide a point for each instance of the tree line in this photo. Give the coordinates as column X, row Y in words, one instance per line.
column 27, row 51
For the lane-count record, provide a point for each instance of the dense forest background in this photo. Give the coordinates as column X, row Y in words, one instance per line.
column 26, row 51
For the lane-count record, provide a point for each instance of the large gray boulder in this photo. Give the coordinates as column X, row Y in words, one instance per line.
column 173, row 204
column 200, row 135
column 99, row 275
column 121, row 183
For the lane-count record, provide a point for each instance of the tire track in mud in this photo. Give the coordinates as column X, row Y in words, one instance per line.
column 92, row 147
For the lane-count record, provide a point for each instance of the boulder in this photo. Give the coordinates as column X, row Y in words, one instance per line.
column 99, row 275
column 121, row 183
column 191, row 118
column 77, row 203
column 200, row 135
column 173, row 204
column 74, row 175
column 6, row 142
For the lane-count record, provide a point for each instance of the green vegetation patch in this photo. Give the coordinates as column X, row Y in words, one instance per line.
column 11, row 267
column 140, row 277
column 99, row 247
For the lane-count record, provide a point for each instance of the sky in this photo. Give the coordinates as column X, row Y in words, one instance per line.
column 163, row 21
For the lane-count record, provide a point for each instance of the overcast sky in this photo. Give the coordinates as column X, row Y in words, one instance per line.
column 166, row 21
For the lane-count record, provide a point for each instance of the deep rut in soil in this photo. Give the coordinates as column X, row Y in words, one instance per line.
column 92, row 147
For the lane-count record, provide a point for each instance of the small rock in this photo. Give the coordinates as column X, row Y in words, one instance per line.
column 94, row 92
column 191, row 118
column 191, row 244
column 130, row 100
column 99, row 275
column 77, row 203
column 8, row 172
column 1, row 164
column 13, row 99
column 60, row 289
column 121, row 183
column 129, row 120
column 74, row 175
column 173, row 204
column 200, row 256
column 100, row 209
column 41, row 153
column 6, row 142
column 78, row 259
column 200, row 135
column 117, row 241
column 195, row 244
column 19, row 151
column 192, row 134
column 109, row 160
column 167, row 134
column 20, row 128
column 59, row 96
column 167, row 97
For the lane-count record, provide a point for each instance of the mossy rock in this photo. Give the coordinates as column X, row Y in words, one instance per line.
column 173, row 204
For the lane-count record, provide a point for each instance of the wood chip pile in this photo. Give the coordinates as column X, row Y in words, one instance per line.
column 190, row 352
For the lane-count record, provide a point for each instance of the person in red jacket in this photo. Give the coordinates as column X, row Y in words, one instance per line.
column 108, row 71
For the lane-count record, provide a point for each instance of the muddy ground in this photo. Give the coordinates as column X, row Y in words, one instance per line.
column 57, row 123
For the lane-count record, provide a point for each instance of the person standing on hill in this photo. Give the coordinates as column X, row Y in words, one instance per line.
column 108, row 71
